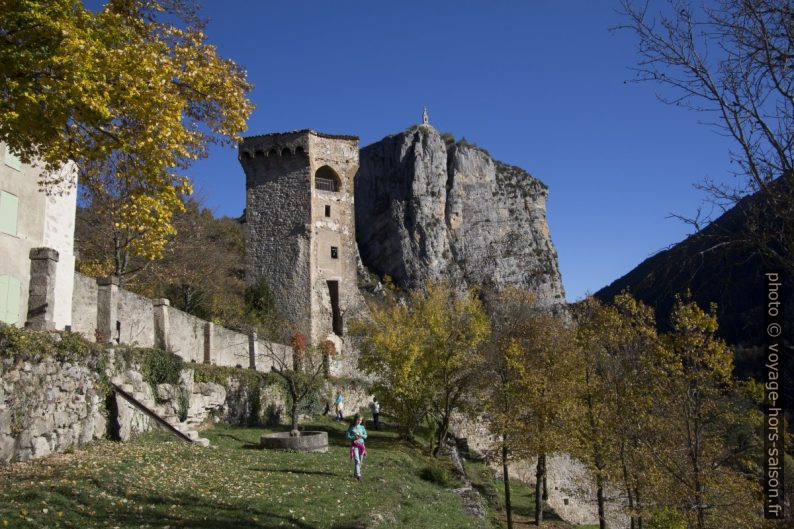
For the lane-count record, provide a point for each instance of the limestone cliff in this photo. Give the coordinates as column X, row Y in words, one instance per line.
column 427, row 209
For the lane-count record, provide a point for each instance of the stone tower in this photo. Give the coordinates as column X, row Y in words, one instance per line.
column 300, row 231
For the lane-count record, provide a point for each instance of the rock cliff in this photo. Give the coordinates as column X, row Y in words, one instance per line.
column 427, row 208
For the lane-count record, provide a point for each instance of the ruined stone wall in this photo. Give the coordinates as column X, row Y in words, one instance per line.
column 571, row 487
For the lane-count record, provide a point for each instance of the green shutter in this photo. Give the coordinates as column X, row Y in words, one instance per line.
column 4, row 298
column 10, row 298
column 12, row 160
column 9, row 206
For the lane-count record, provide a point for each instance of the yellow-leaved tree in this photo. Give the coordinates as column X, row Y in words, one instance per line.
column 422, row 351
column 526, row 385
column 133, row 93
column 706, row 431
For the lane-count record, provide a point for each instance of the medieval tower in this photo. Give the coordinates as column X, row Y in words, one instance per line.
column 300, row 231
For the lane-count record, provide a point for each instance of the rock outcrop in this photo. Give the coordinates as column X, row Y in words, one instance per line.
column 427, row 208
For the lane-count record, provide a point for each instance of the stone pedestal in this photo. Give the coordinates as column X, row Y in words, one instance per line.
column 107, row 310
column 161, row 325
column 41, row 293
column 253, row 349
column 209, row 332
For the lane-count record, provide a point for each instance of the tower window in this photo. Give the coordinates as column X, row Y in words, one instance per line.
column 336, row 313
column 326, row 179
column 327, row 211
column 334, row 252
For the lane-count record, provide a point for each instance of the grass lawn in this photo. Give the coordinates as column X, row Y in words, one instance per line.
column 522, row 498
column 156, row 481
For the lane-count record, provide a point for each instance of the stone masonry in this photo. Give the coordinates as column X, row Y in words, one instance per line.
column 300, row 227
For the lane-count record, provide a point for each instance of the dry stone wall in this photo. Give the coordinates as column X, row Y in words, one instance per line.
column 47, row 407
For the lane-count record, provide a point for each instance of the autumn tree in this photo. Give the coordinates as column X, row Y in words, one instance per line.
column 421, row 350
column 618, row 346
column 732, row 61
column 704, row 427
column 526, row 384
column 302, row 368
column 133, row 93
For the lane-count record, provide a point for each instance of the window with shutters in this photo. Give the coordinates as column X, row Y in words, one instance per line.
column 9, row 208
column 9, row 299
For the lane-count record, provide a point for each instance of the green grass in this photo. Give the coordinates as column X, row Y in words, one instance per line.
column 155, row 481
column 522, row 499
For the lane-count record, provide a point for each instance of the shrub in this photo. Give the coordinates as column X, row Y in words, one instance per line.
column 160, row 367
column 438, row 475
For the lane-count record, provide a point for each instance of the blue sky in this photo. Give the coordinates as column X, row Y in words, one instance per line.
column 540, row 84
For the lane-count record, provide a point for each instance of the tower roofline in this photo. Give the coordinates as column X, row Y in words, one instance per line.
column 299, row 132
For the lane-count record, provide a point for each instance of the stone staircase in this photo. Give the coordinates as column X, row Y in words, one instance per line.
column 164, row 417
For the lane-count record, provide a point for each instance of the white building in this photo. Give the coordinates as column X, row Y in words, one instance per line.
column 30, row 218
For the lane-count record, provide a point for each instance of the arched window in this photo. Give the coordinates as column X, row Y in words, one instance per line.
column 326, row 179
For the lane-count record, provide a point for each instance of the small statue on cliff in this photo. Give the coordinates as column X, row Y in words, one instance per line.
column 425, row 119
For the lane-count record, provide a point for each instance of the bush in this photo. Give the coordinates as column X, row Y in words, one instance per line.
column 666, row 519
column 438, row 475
column 30, row 345
column 160, row 367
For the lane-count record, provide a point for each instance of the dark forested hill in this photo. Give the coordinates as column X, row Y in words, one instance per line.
column 717, row 265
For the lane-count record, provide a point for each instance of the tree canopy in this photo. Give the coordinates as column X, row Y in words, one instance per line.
column 133, row 93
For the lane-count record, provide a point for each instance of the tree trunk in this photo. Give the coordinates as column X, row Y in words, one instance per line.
column 441, row 436
column 540, row 477
column 545, row 484
column 506, row 479
column 293, row 391
column 627, row 484
column 602, row 522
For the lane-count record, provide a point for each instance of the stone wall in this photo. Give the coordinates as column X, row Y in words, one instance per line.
column 572, row 491
column 128, row 318
column 50, row 406
column 84, row 306
column 185, row 335
column 135, row 316
column 230, row 348
column 47, row 407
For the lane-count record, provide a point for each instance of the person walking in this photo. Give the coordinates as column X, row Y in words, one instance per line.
column 375, row 407
column 339, row 404
column 357, row 433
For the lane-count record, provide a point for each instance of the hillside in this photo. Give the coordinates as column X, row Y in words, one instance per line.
column 154, row 481
column 730, row 275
